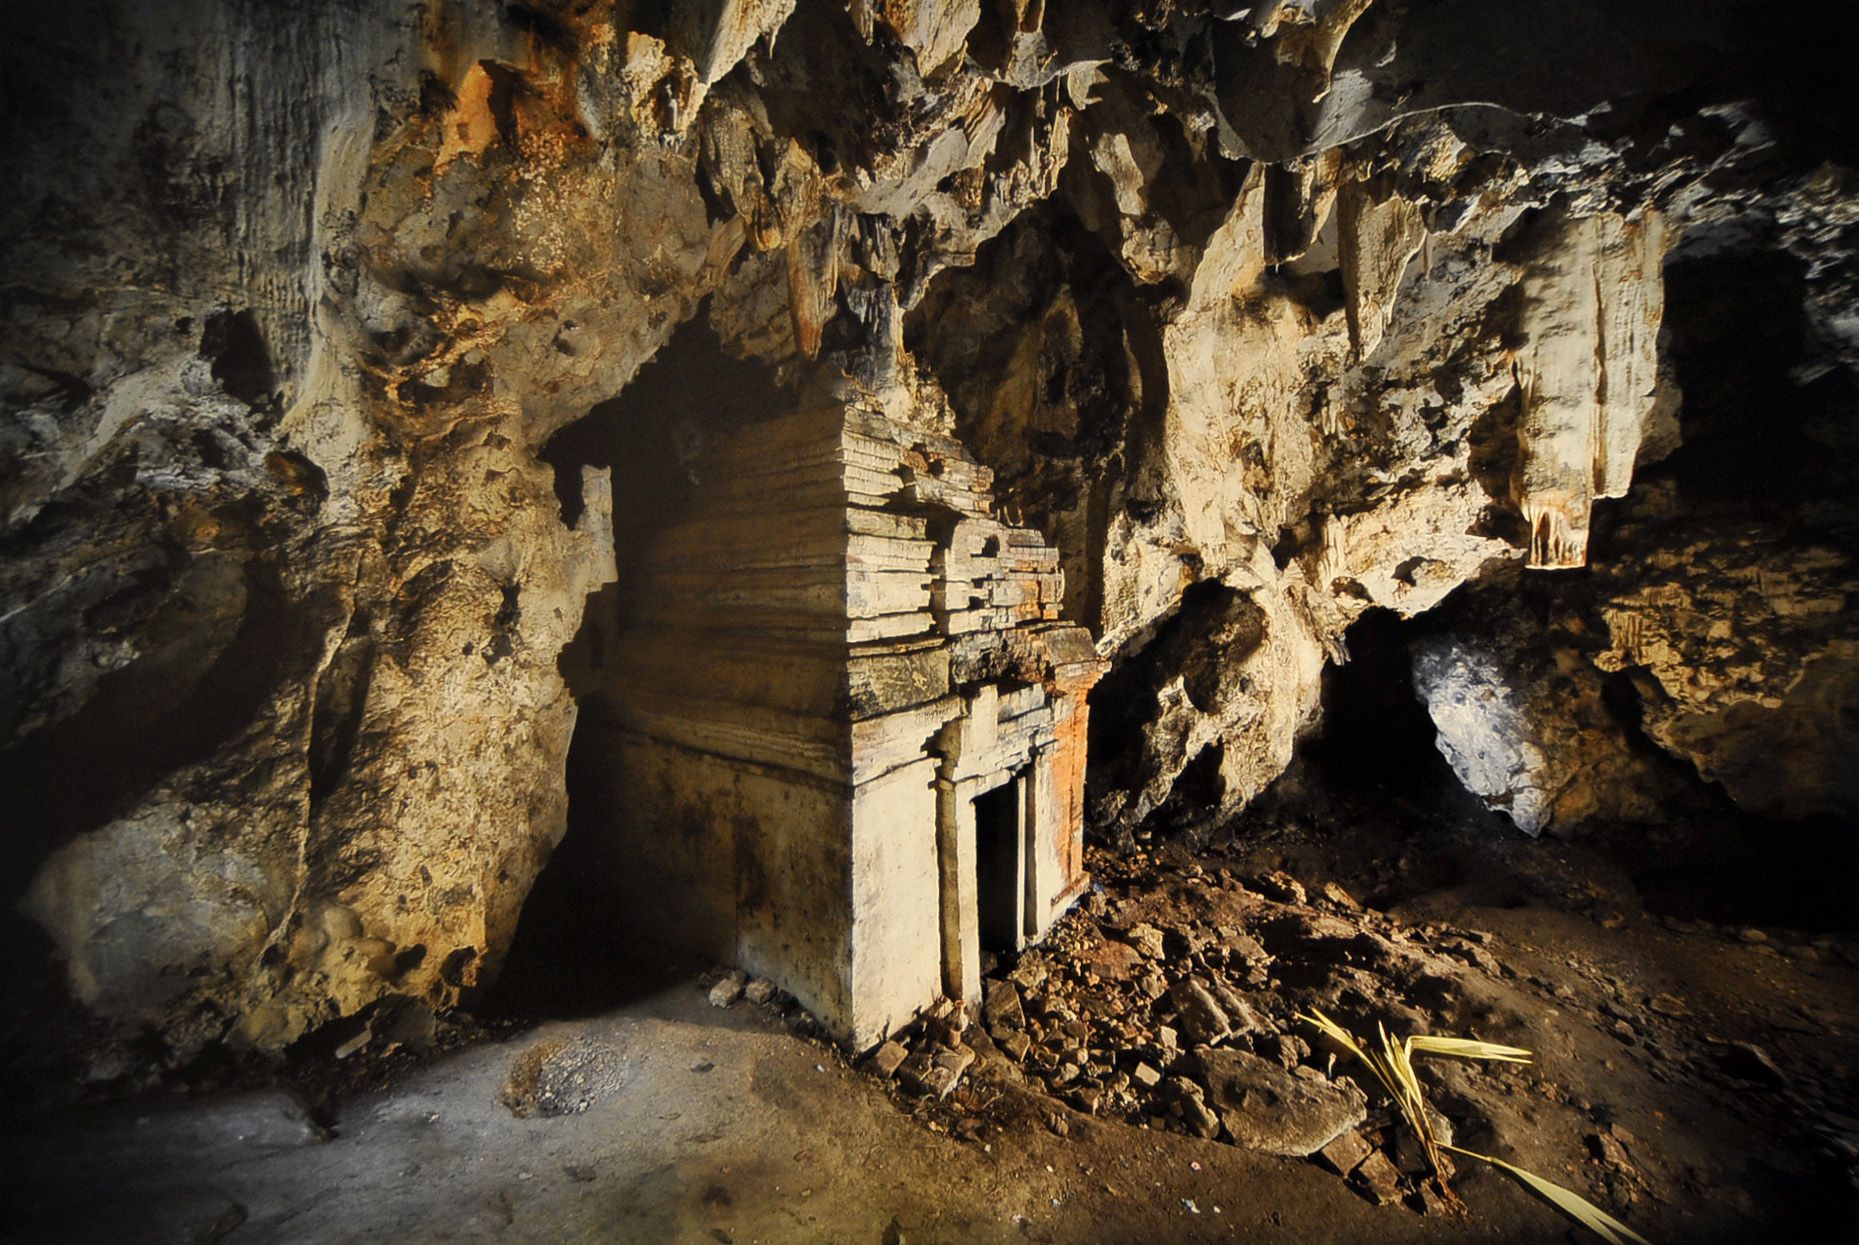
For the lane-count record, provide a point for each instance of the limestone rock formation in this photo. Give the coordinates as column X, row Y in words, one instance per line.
column 1525, row 721
column 1727, row 648
column 1263, row 316
column 1589, row 378
column 1713, row 634
column 1745, row 653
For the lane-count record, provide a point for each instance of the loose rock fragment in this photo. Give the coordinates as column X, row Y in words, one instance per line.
column 1378, row 1178
column 1345, row 1152
column 936, row 1073
column 1749, row 1062
column 1263, row 1107
column 1202, row 1018
column 1146, row 938
column 1002, row 1010
column 887, row 1058
column 729, row 988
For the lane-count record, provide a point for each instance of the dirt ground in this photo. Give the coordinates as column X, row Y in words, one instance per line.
column 1696, row 1079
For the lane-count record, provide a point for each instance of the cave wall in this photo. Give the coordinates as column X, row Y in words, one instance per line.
column 1265, row 315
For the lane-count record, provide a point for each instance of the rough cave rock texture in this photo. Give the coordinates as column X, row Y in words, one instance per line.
column 1264, row 315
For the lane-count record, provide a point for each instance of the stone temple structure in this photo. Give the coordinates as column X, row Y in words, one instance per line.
column 842, row 722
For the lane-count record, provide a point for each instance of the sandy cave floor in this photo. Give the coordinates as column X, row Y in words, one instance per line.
column 1696, row 1079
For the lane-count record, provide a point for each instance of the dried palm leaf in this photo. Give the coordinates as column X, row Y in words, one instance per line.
column 1569, row 1202
column 1393, row 1066
column 1467, row 1048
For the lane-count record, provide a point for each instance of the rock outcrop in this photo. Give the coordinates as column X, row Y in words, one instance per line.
column 1744, row 651
column 1713, row 634
column 1524, row 718
column 1263, row 316
column 1704, row 646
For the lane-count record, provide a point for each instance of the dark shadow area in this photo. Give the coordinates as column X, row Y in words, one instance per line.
column 652, row 434
column 997, row 866
column 1752, row 871
column 1198, row 791
column 241, row 359
column 578, row 951
column 1376, row 736
column 1734, row 334
column 44, row 1032
column 1213, row 629
column 1370, row 795
column 222, row 637
column 575, row 954
column 1375, row 763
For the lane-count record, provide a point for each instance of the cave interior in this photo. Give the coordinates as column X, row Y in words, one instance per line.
column 788, row 621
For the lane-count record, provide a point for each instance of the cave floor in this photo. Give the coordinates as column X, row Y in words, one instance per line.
column 1697, row 1080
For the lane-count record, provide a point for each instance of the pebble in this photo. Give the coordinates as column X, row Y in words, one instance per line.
column 1146, row 938
column 887, row 1059
column 1345, row 1153
column 728, row 988
column 1379, row 1177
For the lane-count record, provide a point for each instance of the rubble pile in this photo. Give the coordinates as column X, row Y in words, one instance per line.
column 1169, row 1000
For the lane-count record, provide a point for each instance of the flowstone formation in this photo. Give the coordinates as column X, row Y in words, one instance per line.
column 1262, row 315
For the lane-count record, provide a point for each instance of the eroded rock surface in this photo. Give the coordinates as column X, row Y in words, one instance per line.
column 1524, row 719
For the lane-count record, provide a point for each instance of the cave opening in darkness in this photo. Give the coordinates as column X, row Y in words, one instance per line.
column 1375, row 735
column 578, row 950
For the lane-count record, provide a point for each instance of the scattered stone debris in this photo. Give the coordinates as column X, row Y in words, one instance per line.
column 562, row 1077
column 1174, row 1007
column 937, row 1072
column 1169, row 1000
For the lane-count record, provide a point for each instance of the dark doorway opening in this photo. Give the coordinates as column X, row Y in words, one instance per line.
column 1000, row 878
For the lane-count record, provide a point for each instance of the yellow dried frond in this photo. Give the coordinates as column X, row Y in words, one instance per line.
column 1412, row 1095
column 1467, row 1048
column 1393, row 1066
column 1569, row 1202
